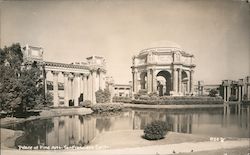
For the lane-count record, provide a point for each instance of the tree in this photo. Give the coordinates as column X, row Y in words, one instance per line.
column 213, row 93
column 103, row 96
column 20, row 88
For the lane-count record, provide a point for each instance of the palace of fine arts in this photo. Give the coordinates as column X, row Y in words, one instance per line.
column 125, row 77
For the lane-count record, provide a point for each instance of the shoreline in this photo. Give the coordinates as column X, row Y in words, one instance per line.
column 177, row 142
column 55, row 112
column 47, row 114
column 146, row 106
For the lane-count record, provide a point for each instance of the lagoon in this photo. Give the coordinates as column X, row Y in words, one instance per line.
column 80, row 130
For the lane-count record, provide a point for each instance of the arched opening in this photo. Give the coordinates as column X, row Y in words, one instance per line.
column 143, row 77
column 184, row 83
column 164, row 83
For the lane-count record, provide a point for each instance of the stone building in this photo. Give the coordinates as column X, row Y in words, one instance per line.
column 165, row 69
column 236, row 90
column 123, row 90
column 81, row 79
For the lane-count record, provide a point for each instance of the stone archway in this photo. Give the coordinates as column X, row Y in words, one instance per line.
column 164, row 85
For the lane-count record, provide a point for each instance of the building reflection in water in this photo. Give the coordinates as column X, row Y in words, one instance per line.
column 176, row 122
column 230, row 121
column 233, row 121
column 71, row 130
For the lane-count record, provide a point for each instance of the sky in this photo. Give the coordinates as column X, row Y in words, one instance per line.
column 216, row 32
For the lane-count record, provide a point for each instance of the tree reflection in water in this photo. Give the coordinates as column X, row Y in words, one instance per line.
column 34, row 132
column 103, row 124
column 80, row 130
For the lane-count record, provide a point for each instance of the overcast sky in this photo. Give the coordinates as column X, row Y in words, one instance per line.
column 217, row 32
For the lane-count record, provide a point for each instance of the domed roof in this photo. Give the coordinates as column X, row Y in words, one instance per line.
column 165, row 43
column 164, row 46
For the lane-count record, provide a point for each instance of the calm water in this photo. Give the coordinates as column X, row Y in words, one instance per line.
column 80, row 130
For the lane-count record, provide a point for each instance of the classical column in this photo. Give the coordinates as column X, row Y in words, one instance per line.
column 240, row 92
column 93, row 86
column 66, row 88
column 175, row 80
column 243, row 91
column 77, row 89
column 90, row 87
column 228, row 92
column 192, row 81
column 45, row 82
column 149, row 81
column 70, row 83
column 135, row 80
column 188, row 82
column 154, row 80
column 55, row 88
column 236, row 93
column 179, row 80
column 225, row 93
column 85, row 87
column 81, row 84
column 248, row 91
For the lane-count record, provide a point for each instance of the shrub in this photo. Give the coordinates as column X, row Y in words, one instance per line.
column 143, row 92
column 155, row 130
column 122, row 99
column 213, row 93
column 177, row 100
column 102, row 96
column 86, row 104
column 106, row 107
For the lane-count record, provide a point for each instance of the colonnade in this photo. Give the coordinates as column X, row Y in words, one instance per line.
column 176, row 85
column 239, row 89
column 77, row 85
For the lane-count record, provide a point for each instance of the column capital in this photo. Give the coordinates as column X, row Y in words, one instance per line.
column 93, row 70
column 71, row 75
column 66, row 73
column 55, row 72
column 77, row 74
column 179, row 69
column 175, row 69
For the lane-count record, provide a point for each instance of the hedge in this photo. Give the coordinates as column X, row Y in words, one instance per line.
column 180, row 100
column 122, row 99
column 106, row 107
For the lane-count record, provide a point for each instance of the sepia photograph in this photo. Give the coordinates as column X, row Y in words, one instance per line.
column 125, row 77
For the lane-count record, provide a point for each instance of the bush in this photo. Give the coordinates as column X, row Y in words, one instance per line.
column 122, row 99
column 213, row 93
column 155, row 130
column 106, row 107
column 143, row 92
column 102, row 96
column 86, row 104
column 177, row 100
